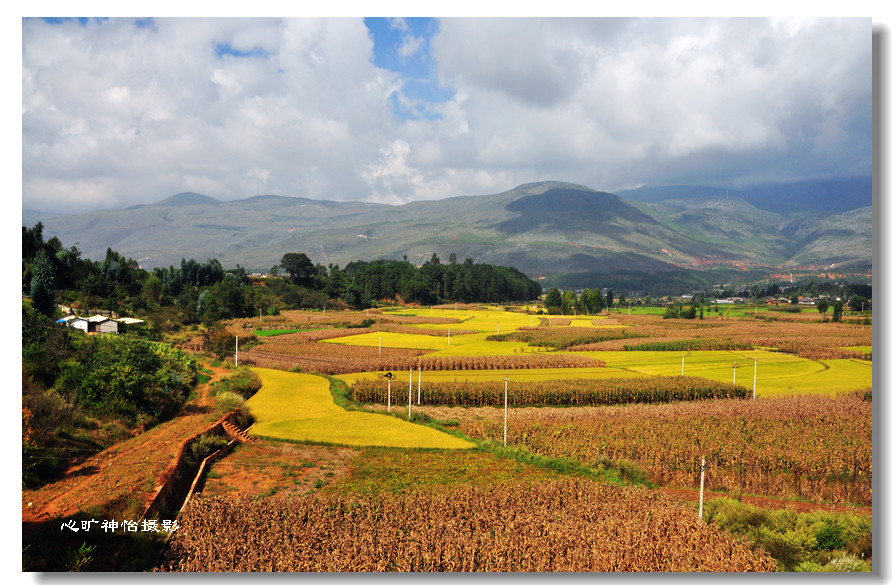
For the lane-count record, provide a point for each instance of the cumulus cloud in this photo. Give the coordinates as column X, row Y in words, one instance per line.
column 117, row 112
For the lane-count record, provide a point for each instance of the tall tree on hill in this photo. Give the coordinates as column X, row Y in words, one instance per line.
column 299, row 267
column 43, row 293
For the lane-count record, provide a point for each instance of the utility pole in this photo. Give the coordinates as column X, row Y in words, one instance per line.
column 702, row 477
column 755, row 365
column 389, row 376
column 505, row 432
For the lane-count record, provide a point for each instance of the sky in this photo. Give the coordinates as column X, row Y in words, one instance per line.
column 122, row 111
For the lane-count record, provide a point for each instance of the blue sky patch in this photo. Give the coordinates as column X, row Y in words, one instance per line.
column 221, row 50
column 402, row 45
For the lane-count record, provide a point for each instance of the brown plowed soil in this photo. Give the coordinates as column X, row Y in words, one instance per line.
column 121, row 481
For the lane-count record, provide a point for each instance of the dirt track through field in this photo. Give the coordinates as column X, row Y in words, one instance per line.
column 111, row 480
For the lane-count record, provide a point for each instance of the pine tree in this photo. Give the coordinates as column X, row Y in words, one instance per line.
column 43, row 293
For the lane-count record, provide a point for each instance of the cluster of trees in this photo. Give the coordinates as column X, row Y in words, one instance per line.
column 588, row 302
column 47, row 267
column 205, row 292
column 360, row 283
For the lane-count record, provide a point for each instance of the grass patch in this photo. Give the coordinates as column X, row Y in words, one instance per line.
column 274, row 332
column 809, row 541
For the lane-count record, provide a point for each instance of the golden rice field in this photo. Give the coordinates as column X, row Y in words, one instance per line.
column 300, row 407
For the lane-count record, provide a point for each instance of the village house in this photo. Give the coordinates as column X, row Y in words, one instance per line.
column 97, row 323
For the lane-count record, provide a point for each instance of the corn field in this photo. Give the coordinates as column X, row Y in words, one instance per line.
column 568, row 392
column 558, row 525
column 809, row 340
column 814, row 447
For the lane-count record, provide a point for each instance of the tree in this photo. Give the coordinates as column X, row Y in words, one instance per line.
column 837, row 311
column 587, row 301
column 609, row 299
column 43, row 293
column 598, row 300
column 823, row 305
column 569, row 301
column 553, row 301
column 859, row 303
column 299, row 267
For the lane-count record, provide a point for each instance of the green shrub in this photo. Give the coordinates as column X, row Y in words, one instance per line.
column 808, row 541
column 227, row 401
column 130, row 377
column 242, row 381
column 205, row 445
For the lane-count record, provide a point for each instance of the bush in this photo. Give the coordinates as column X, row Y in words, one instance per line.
column 205, row 445
column 130, row 377
column 242, row 381
column 228, row 401
column 808, row 541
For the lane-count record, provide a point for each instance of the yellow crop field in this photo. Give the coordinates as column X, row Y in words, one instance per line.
column 489, row 321
column 776, row 373
column 386, row 339
column 531, row 375
column 299, row 407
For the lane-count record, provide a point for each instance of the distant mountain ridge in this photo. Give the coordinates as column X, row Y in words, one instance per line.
column 814, row 196
column 543, row 229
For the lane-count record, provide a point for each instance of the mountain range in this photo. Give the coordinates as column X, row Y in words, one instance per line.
column 545, row 229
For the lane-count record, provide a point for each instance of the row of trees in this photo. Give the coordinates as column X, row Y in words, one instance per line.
column 589, row 302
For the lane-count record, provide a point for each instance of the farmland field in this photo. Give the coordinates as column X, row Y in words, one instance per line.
column 595, row 404
column 300, row 408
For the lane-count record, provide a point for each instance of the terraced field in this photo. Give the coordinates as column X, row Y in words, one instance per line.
column 299, row 407
column 776, row 373
column 612, row 414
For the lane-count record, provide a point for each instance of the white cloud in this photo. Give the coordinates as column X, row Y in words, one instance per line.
column 411, row 45
column 114, row 114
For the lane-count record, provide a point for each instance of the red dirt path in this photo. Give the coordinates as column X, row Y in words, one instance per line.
column 128, row 473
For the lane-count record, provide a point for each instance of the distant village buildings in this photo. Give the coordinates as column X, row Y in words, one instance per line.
column 97, row 323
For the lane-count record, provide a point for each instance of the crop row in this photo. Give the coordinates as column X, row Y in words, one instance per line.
column 814, row 340
column 330, row 358
column 342, row 359
column 562, row 338
column 508, row 362
column 816, row 447
column 559, row 525
column 574, row 392
column 412, row 330
column 698, row 344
